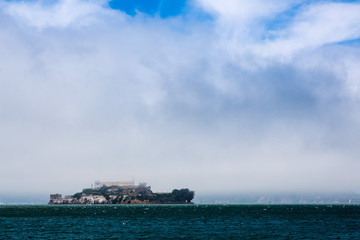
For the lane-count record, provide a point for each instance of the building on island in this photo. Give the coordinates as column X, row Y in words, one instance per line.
column 142, row 184
column 106, row 192
column 55, row 196
column 124, row 184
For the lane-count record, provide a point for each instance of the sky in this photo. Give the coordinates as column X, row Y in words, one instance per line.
column 217, row 96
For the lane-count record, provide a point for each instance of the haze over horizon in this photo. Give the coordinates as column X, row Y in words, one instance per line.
column 216, row 96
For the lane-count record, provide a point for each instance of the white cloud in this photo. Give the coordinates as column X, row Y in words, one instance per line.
column 239, row 11
column 315, row 26
column 63, row 13
column 242, row 27
column 86, row 93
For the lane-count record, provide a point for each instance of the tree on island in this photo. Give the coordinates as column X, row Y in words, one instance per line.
column 183, row 195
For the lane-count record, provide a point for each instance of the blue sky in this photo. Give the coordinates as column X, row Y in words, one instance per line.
column 235, row 96
column 163, row 8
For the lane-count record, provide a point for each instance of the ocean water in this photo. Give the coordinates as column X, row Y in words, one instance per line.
column 180, row 222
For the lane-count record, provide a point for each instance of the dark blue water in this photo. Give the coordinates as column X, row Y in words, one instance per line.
column 180, row 222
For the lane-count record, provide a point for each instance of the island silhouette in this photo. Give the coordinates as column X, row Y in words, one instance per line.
column 123, row 193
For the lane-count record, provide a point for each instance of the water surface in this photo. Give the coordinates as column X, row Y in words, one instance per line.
column 180, row 222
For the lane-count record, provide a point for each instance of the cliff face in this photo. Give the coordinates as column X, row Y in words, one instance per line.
column 127, row 195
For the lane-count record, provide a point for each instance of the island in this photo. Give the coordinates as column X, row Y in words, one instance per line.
column 124, row 193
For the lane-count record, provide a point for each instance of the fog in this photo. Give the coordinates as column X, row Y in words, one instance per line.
column 253, row 98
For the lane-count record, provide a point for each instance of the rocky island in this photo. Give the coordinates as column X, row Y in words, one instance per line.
column 123, row 193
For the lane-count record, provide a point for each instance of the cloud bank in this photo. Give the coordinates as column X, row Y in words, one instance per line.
column 261, row 96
